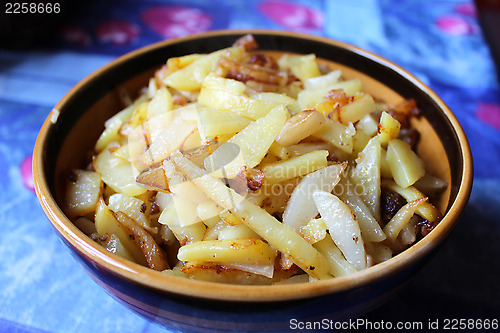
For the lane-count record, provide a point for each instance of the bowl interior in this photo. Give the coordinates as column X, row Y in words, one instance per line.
column 67, row 140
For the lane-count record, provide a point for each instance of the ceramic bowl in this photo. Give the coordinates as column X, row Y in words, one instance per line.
column 73, row 126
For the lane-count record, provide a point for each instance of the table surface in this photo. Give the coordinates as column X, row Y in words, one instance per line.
column 43, row 289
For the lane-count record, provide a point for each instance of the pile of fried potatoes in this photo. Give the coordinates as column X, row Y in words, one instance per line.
column 239, row 167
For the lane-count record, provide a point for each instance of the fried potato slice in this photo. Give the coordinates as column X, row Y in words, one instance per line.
column 240, row 251
column 83, row 190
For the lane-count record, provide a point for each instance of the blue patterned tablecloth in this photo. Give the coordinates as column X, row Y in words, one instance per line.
column 42, row 288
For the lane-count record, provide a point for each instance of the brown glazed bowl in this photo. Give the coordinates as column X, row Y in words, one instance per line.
column 74, row 125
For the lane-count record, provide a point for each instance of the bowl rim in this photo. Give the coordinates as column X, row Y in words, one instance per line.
column 242, row 293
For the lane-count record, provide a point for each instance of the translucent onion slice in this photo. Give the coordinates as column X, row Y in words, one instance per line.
column 343, row 227
column 301, row 208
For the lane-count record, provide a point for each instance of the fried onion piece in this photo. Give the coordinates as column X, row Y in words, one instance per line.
column 250, row 178
column 333, row 102
column 262, row 60
column 146, row 242
column 246, row 42
column 251, row 72
column 160, row 75
column 403, row 111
